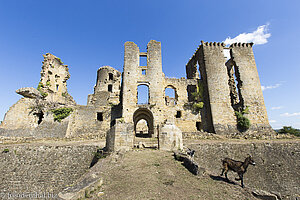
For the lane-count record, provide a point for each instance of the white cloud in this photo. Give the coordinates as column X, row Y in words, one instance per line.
column 226, row 53
column 259, row 36
column 290, row 114
column 272, row 121
column 263, row 88
column 276, row 108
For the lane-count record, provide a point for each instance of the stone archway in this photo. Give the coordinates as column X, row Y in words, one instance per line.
column 146, row 114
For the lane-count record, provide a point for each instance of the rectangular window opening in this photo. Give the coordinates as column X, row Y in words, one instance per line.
column 178, row 114
column 110, row 76
column 143, row 71
column 143, row 60
column 100, row 116
column 109, row 88
column 198, row 126
column 57, row 87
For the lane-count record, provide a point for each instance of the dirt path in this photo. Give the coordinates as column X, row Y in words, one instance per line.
column 154, row 174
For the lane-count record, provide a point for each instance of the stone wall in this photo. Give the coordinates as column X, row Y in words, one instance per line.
column 21, row 121
column 19, row 116
column 84, row 121
column 42, row 168
column 277, row 163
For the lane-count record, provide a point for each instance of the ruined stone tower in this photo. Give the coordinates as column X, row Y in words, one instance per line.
column 133, row 77
column 227, row 85
column 53, row 83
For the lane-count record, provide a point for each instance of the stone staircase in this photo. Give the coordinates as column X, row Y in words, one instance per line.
column 140, row 142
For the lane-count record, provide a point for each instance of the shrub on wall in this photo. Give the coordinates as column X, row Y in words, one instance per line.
column 243, row 123
column 61, row 113
column 198, row 96
column 39, row 88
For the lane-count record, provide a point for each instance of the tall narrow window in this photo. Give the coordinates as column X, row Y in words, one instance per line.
column 144, row 71
column 57, row 87
column 198, row 126
column 110, row 76
column 100, row 116
column 109, row 88
column 191, row 89
column 143, row 94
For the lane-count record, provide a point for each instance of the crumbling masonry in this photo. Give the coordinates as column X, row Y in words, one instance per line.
column 224, row 86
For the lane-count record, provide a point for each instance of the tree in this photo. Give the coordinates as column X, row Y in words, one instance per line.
column 290, row 130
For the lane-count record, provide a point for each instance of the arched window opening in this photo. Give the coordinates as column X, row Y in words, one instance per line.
column 143, row 94
column 142, row 129
column 170, row 96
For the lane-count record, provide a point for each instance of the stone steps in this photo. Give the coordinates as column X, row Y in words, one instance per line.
column 145, row 142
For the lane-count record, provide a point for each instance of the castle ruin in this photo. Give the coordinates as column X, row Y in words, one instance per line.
column 207, row 100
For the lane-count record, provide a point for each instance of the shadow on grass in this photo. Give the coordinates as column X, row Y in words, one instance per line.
column 219, row 178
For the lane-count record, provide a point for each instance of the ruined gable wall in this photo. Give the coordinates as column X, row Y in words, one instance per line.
column 53, row 82
column 250, row 89
column 133, row 77
column 188, row 119
column 193, row 74
column 31, row 116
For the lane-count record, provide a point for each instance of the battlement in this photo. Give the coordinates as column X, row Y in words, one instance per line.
column 222, row 44
column 242, row 44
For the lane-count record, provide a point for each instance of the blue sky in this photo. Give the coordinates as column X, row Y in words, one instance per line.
column 89, row 34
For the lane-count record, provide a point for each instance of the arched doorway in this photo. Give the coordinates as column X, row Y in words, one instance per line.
column 140, row 115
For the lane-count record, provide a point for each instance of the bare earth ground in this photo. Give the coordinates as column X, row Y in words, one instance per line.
column 154, row 174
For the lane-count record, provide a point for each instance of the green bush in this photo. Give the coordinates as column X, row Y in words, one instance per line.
column 39, row 88
column 59, row 60
column 198, row 96
column 64, row 94
column 290, row 130
column 5, row 151
column 198, row 106
column 243, row 123
column 61, row 113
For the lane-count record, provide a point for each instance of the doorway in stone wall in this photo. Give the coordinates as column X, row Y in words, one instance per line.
column 144, row 128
